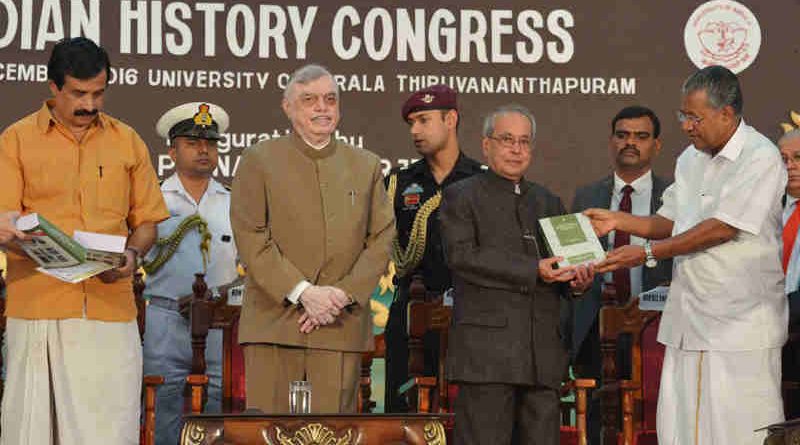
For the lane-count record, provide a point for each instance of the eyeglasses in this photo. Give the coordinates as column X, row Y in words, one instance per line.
column 692, row 119
column 508, row 141
column 791, row 160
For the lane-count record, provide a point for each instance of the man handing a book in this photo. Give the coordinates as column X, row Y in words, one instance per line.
column 724, row 321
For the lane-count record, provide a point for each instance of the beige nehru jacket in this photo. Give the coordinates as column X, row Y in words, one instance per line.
column 304, row 214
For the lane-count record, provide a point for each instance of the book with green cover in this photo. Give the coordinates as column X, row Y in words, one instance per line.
column 571, row 236
column 51, row 248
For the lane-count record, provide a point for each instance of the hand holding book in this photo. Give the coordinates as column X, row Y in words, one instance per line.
column 579, row 277
column 8, row 228
column 123, row 271
column 71, row 259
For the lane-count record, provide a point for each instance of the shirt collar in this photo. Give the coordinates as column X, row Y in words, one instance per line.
column 790, row 200
column 733, row 148
column 463, row 165
column 640, row 185
column 174, row 184
column 45, row 119
column 506, row 184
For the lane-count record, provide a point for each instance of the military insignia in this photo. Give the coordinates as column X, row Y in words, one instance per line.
column 428, row 98
column 412, row 195
column 203, row 117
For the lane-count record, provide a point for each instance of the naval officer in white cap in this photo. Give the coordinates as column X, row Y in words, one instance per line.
column 199, row 230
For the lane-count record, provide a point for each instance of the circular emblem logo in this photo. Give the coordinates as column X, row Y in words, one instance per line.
column 722, row 32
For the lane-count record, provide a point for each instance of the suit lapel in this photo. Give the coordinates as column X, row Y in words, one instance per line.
column 659, row 185
column 602, row 200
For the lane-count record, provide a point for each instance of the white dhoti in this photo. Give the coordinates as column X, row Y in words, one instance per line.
column 718, row 397
column 74, row 381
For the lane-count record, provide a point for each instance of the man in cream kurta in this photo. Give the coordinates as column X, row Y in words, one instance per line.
column 313, row 226
column 726, row 315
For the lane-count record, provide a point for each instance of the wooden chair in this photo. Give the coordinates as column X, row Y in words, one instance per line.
column 631, row 402
column 205, row 314
column 150, row 383
column 365, row 403
column 574, row 433
column 427, row 313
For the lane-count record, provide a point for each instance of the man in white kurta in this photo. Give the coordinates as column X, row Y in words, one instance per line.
column 726, row 315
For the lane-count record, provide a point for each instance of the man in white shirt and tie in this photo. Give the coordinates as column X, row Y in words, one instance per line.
column 632, row 187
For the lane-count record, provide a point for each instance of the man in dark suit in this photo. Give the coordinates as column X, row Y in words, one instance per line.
column 633, row 144
column 505, row 349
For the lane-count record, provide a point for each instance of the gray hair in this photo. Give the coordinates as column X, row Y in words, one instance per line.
column 721, row 87
column 307, row 74
column 488, row 121
column 789, row 136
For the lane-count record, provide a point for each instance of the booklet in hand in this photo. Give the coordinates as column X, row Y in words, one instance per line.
column 81, row 256
column 572, row 237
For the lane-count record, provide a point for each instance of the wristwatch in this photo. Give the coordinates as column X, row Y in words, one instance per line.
column 649, row 259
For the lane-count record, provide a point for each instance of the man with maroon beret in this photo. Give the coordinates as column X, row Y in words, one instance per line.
column 432, row 117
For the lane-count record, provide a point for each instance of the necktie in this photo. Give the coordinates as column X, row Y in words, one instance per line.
column 790, row 235
column 622, row 277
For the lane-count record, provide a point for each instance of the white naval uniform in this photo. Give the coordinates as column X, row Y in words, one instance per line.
column 167, row 342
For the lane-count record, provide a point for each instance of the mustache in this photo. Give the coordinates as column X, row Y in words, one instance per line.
column 629, row 148
column 83, row 112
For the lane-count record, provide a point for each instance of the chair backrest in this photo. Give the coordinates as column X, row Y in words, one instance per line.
column 428, row 314
column 365, row 402
column 205, row 314
column 226, row 318
column 646, row 358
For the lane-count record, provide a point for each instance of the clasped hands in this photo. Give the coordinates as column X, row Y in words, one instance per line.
column 321, row 305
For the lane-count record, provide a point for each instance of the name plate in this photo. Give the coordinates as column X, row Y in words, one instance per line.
column 236, row 295
column 447, row 297
column 654, row 300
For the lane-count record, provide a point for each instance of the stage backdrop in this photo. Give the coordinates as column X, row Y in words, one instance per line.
column 573, row 63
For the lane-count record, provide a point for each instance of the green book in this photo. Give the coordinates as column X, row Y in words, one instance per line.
column 51, row 248
column 572, row 237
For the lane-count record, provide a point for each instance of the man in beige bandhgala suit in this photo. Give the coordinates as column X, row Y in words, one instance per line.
column 313, row 226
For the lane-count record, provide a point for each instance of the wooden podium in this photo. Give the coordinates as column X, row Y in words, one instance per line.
column 314, row 429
